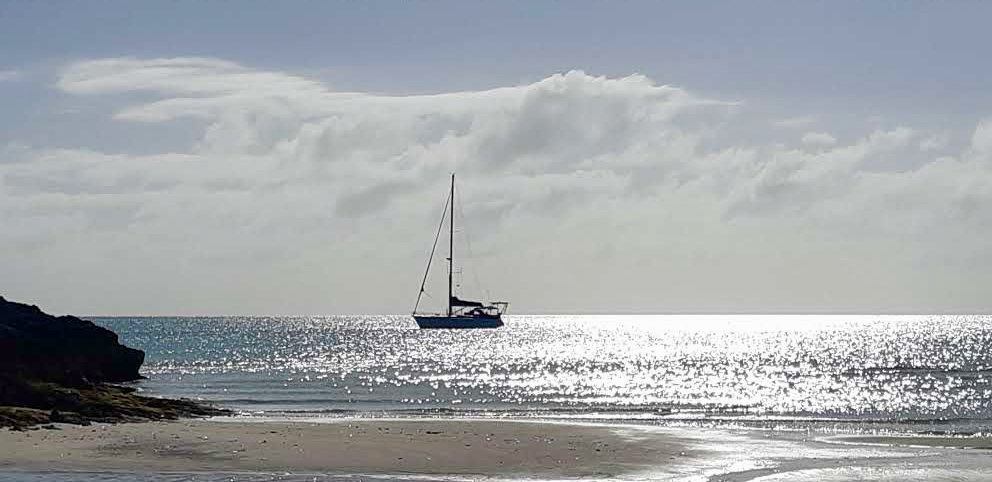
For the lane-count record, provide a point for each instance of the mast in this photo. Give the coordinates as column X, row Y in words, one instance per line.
column 451, row 241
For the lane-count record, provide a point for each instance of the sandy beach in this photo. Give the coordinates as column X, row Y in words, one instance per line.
column 352, row 446
column 498, row 449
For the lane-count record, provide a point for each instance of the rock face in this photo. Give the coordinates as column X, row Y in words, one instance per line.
column 54, row 370
column 64, row 350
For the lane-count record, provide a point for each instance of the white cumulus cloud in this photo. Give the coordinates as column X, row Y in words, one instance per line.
column 596, row 193
column 818, row 139
column 934, row 142
column 981, row 139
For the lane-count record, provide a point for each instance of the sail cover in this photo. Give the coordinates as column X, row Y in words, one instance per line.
column 458, row 302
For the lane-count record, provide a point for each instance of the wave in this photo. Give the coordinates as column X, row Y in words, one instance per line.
column 666, row 415
column 906, row 426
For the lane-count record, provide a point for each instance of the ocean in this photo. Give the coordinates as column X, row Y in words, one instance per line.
column 829, row 374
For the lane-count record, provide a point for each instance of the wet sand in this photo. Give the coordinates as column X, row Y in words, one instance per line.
column 494, row 448
column 347, row 446
column 980, row 443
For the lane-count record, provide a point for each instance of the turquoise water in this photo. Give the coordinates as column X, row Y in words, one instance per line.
column 916, row 374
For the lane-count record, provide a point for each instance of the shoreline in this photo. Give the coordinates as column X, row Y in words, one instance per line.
column 464, row 448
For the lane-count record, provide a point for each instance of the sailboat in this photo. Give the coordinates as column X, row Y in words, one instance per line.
column 461, row 313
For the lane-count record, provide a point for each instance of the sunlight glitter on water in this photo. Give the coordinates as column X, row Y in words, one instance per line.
column 924, row 371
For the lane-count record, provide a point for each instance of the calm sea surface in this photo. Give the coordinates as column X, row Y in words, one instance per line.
column 918, row 374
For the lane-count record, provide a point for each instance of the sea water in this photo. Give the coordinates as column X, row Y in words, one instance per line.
column 875, row 374
column 792, row 383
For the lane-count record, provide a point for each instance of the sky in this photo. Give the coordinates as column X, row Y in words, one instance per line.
column 186, row 157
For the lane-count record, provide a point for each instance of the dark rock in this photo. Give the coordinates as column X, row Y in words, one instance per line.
column 55, row 370
column 64, row 349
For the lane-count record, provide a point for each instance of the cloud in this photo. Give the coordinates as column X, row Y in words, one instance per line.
column 375, row 141
column 194, row 87
column 9, row 75
column 818, row 139
column 794, row 181
column 15, row 152
column 934, row 142
column 597, row 188
column 981, row 139
column 794, row 122
column 188, row 75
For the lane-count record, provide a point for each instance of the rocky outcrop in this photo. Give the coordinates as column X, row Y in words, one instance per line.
column 55, row 370
column 64, row 350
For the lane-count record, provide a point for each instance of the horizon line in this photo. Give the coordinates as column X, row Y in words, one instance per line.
column 670, row 313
